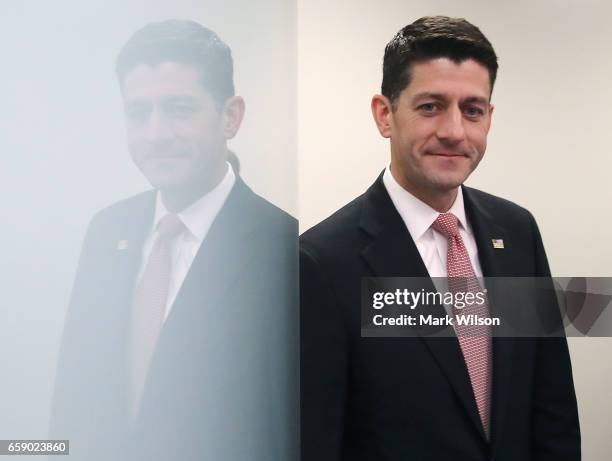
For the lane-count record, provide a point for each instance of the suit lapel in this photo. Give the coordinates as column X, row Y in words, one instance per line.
column 128, row 232
column 492, row 260
column 392, row 253
column 223, row 253
column 494, row 263
column 134, row 224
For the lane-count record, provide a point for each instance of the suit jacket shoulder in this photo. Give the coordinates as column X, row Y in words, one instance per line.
column 269, row 218
column 506, row 213
column 337, row 233
column 124, row 207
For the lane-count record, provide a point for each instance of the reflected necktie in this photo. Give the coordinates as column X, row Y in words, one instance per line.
column 475, row 340
column 149, row 306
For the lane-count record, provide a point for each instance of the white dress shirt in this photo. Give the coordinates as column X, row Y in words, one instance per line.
column 418, row 217
column 197, row 218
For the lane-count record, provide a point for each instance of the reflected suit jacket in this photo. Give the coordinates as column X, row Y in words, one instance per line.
column 410, row 399
column 223, row 380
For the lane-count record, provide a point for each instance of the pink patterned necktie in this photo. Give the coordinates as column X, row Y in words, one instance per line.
column 149, row 306
column 475, row 340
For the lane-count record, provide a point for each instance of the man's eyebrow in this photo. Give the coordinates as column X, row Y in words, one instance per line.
column 442, row 97
column 429, row 95
column 135, row 101
column 180, row 98
column 476, row 99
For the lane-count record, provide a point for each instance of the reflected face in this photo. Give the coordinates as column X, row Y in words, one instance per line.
column 439, row 128
column 174, row 129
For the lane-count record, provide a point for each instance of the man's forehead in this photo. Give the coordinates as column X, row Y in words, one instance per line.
column 168, row 77
column 446, row 78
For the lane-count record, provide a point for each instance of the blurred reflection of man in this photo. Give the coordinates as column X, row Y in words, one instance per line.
column 180, row 334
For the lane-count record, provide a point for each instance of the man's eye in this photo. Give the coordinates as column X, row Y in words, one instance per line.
column 137, row 113
column 473, row 111
column 428, row 108
column 181, row 110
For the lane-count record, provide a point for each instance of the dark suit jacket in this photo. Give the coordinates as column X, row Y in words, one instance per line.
column 223, row 381
column 410, row 398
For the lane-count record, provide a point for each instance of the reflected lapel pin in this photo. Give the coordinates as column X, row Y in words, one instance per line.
column 122, row 244
column 498, row 243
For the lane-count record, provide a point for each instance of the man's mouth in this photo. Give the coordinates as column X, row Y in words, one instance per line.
column 447, row 154
column 165, row 155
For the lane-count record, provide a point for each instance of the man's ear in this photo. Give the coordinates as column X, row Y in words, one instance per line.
column 232, row 114
column 491, row 107
column 382, row 111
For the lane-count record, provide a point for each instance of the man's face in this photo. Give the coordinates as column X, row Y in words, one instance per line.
column 174, row 129
column 439, row 128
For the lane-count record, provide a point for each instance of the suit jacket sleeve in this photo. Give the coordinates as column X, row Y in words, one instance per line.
column 555, row 426
column 323, row 363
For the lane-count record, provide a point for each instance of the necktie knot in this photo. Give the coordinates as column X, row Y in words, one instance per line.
column 447, row 224
column 170, row 226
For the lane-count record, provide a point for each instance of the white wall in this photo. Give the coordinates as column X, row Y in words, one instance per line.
column 549, row 145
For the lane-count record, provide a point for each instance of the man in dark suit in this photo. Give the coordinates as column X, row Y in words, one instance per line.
column 181, row 335
column 463, row 397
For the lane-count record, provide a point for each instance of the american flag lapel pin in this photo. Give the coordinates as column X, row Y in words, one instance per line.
column 498, row 243
column 122, row 244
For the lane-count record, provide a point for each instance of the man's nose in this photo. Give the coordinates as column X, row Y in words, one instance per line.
column 159, row 127
column 451, row 128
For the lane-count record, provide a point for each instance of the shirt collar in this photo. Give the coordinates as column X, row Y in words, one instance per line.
column 416, row 214
column 199, row 216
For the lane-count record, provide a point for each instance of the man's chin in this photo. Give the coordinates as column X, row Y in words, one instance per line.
column 167, row 183
column 447, row 183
